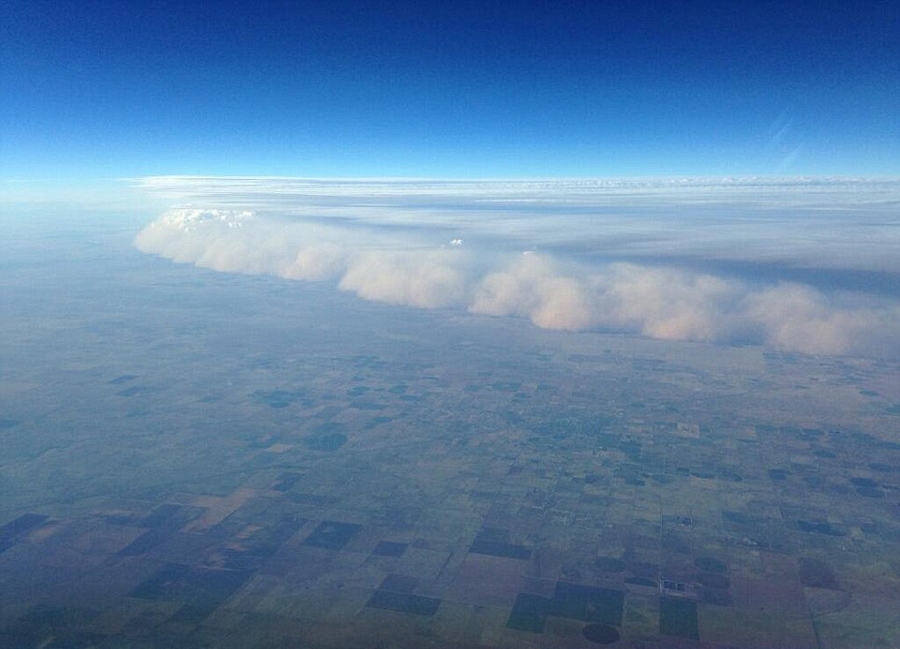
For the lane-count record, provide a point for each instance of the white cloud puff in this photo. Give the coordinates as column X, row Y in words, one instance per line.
column 241, row 242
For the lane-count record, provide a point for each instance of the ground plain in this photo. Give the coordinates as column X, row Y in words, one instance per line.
column 194, row 459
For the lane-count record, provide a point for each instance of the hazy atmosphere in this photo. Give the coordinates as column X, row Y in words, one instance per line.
column 468, row 325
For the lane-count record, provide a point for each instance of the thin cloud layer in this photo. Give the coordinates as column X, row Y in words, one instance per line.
column 417, row 259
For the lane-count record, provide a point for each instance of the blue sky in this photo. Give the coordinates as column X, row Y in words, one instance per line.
column 100, row 89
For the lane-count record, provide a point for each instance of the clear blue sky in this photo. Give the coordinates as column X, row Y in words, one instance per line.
column 96, row 88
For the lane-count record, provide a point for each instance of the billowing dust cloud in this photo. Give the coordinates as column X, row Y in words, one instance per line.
column 418, row 268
